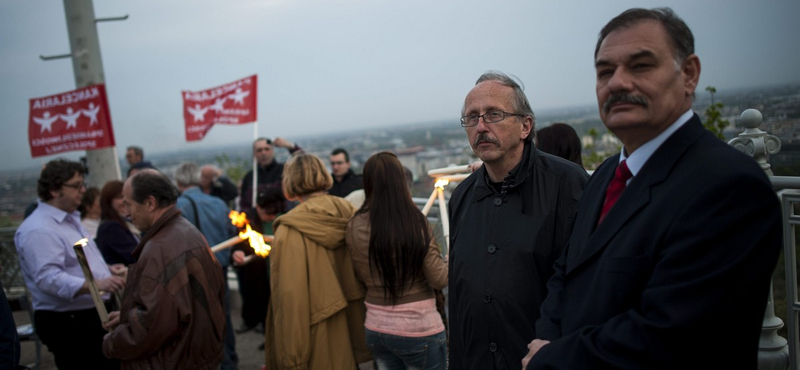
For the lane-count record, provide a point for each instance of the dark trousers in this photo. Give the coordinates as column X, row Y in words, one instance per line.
column 75, row 338
column 254, row 289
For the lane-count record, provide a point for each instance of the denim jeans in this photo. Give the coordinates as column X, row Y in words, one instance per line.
column 419, row 353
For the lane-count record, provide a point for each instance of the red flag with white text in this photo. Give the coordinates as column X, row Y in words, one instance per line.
column 73, row 120
column 230, row 104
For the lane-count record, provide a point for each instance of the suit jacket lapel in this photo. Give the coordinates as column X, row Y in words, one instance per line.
column 635, row 197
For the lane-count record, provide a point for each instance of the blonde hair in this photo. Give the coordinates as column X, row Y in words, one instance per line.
column 305, row 174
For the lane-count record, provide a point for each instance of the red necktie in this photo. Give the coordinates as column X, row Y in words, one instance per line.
column 615, row 188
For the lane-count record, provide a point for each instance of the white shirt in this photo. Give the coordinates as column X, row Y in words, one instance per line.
column 49, row 265
column 639, row 157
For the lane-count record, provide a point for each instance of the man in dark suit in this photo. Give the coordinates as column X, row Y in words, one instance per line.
column 676, row 273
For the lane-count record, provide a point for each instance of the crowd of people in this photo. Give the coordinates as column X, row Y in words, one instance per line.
column 549, row 268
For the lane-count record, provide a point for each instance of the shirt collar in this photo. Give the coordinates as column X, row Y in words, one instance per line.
column 638, row 158
column 56, row 213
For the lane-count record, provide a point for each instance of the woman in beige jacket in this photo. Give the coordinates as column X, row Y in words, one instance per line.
column 316, row 314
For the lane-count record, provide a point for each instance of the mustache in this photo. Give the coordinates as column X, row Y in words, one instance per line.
column 624, row 98
column 483, row 137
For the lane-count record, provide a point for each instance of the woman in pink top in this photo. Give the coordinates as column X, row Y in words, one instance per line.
column 396, row 256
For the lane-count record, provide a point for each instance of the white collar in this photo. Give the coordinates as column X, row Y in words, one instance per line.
column 639, row 157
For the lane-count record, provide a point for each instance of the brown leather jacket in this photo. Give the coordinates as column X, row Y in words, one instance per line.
column 172, row 314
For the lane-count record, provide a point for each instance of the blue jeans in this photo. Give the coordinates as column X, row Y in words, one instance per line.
column 395, row 352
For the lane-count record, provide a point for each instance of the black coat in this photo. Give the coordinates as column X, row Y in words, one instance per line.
column 677, row 275
column 116, row 242
column 269, row 177
column 349, row 183
column 503, row 249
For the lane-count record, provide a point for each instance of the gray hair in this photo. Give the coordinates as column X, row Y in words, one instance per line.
column 519, row 103
column 678, row 32
column 137, row 150
column 188, row 174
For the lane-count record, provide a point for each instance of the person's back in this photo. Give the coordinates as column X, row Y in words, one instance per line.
column 210, row 215
column 400, row 264
column 315, row 319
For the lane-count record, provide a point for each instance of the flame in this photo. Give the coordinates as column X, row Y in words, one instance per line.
column 83, row 242
column 256, row 241
column 239, row 219
column 441, row 183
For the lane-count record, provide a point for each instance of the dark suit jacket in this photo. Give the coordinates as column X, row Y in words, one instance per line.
column 677, row 275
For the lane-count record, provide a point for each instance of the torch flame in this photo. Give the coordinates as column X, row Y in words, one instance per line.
column 256, row 239
column 441, row 183
column 238, row 219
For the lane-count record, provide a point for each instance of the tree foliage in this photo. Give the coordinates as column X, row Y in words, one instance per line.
column 713, row 116
column 236, row 169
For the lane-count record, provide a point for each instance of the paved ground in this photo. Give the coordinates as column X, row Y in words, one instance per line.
column 250, row 358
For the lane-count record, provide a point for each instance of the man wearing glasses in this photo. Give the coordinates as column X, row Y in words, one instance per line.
column 270, row 172
column 345, row 181
column 64, row 314
column 509, row 221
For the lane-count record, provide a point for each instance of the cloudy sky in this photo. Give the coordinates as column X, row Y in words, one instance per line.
column 329, row 65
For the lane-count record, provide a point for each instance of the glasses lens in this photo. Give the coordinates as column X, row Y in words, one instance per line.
column 471, row 120
column 493, row 116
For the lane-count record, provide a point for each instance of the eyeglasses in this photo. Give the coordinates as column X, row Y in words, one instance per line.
column 492, row 116
column 78, row 186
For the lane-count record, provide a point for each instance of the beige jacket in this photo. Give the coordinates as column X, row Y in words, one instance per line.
column 316, row 314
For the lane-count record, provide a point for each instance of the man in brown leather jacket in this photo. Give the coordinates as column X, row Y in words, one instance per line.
column 172, row 314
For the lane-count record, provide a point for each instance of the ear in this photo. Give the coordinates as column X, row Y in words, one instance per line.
column 527, row 127
column 151, row 203
column 690, row 70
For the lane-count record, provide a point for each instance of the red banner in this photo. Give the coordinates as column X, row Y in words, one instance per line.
column 230, row 104
column 74, row 120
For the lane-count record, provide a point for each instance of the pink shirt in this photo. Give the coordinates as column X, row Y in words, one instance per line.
column 415, row 319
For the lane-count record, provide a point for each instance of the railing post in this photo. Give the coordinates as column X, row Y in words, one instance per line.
column 773, row 353
column 754, row 142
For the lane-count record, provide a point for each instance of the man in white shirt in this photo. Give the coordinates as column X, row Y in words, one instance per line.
column 65, row 317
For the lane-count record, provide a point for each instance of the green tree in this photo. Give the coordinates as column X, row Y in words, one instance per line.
column 714, row 121
column 235, row 170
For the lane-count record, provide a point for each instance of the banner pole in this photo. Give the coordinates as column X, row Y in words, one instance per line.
column 255, row 168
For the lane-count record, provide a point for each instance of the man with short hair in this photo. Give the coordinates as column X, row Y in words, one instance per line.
column 135, row 157
column 134, row 154
column 345, row 181
column 172, row 315
column 210, row 215
column 65, row 316
column 213, row 182
column 269, row 170
column 676, row 237
column 508, row 222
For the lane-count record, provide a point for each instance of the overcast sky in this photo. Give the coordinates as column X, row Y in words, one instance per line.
column 328, row 65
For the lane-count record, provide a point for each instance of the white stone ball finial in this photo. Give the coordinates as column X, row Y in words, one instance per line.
column 751, row 118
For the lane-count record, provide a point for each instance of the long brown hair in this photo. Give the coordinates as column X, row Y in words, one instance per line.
column 399, row 234
column 111, row 190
